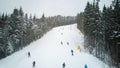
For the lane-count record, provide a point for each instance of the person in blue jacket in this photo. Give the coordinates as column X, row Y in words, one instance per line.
column 86, row 66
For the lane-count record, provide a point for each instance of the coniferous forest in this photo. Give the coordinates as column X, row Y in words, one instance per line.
column 19, row 29
column 101, row 31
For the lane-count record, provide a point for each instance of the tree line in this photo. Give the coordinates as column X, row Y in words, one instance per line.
column 19, row 29
column 101, row 31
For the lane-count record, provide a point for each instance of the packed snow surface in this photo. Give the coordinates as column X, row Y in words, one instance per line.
column 52, row 50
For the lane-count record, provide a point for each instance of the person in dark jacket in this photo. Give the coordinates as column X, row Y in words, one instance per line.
column 72, row 52
column 28, row 54
column 67, row 43
column 33, row 63
column 61, row 43
column 63, row 65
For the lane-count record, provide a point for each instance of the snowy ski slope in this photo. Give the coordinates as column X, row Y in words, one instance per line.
column 48, row 52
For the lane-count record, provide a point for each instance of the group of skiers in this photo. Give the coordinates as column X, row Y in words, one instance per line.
column 78, row 48
column 63, row 65
column 62, row 43
column 72, row 52
column 33, row 63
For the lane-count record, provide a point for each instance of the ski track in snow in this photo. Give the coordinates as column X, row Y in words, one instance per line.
column 48, row 52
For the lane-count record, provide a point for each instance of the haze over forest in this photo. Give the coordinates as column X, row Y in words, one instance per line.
column 48, row 7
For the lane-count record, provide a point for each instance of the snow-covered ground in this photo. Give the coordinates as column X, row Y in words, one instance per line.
column 48, row 52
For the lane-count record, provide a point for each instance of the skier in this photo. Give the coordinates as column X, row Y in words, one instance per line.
column 28, row 54
column 78, row 48
column 72, row 52
column 63, row 65
column 33, row 63
column 61, row 42
column 67, row 43
column 85, row 66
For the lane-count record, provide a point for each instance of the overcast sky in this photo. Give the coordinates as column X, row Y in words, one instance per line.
column 48, row 7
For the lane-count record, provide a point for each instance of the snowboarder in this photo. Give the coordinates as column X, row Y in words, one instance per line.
column 33, row 63
column 28, row 54
column 63, row 65
column 72, row 52
column 85, row 66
